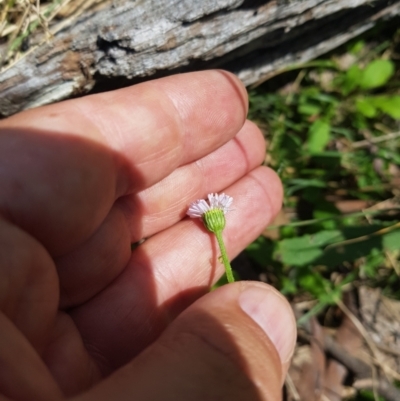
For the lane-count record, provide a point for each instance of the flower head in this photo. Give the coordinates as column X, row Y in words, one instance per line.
column 212, row 213
column 200, row 207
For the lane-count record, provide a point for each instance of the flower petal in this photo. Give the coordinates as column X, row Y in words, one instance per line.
column 198, row 208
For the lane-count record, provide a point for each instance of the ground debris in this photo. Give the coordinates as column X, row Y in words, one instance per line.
column 362, row 353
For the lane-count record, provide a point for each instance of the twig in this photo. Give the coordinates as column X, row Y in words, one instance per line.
column 394, row 263
column 366, row 142
column 292, row 388
column 388, row 350
column 19, row 25
column 368, row 340
column 361, row 370
column 384, row 388
column 358, row 367
column 55, row 11
column 295, row 86
column 41, row 18
column 343, row 216
column 3, row 17
column 363, row 237
column 375, row 383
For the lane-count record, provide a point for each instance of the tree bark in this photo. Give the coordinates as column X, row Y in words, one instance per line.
column 130, row 41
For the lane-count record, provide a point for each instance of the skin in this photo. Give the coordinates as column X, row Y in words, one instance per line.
column 84, row 317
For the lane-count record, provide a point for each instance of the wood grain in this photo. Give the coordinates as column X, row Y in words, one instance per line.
column 130, row 41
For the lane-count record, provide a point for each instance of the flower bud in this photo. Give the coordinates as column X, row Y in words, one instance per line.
column 214, row 220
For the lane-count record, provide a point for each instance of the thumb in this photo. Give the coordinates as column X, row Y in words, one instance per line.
column 233, row 344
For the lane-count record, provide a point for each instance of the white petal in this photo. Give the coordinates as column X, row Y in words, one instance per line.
column 222, row 201
column 198, row 208
column 225, row 202
column 213, row 199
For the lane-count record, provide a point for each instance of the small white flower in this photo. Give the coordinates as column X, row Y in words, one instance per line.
column 213, row 216
column 200, row 207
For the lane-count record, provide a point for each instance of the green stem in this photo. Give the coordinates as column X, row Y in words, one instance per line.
column 225, row 260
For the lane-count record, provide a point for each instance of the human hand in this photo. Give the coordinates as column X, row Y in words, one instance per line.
column 84, row 316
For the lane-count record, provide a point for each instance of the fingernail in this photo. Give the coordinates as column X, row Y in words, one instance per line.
column 274, row 315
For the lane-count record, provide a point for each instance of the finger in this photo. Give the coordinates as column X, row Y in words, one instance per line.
column 232, row 344
column 57, row 189
column 157, row 125
column 92, row 266
column 77, row 157
column 171, row 270
column 23, row 374
column 165, row 203
column 96, row 263
column 67, row 358
column 28, row 284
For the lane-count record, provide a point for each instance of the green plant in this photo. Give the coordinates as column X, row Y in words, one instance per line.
column 333, row 135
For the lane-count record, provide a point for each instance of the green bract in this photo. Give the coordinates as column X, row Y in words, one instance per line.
column 214, row 220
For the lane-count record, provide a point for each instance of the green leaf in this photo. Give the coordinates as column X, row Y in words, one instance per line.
column 389, row 105
column 312, row 240
column 300, row 258
column 357, row 47
column 309, row 109
column 312, row 249
column 331, row 297
column 366, row 107
column 391, row 240
column 314, row 283
column 302, row 251
column 318, row 136
column 288, row 286
column 350, row 80
column 307, row 182
column 376, row 74
column 370, row 264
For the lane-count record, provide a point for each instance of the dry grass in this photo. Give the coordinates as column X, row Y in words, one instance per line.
column 24, row 24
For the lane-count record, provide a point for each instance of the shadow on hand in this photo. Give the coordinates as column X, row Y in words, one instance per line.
column 60, row 189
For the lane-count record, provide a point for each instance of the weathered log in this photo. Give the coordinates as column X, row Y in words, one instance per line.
column 130, row 41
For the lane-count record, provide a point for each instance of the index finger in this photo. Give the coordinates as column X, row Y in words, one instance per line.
column 144, row 132
column 157, row 125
